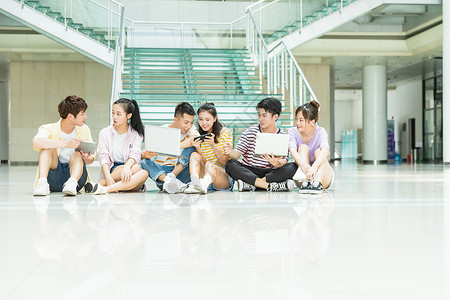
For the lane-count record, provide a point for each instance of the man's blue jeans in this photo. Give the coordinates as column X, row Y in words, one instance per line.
column 154, row 170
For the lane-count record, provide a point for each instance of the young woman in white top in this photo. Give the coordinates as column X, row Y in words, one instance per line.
column 119, row 150
column 207, row 164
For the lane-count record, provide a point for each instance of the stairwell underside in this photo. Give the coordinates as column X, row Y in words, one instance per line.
column 56, row 31
column 330, row 22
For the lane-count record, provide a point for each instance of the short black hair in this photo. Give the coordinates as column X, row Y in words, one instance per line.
column 184, row 108
column 272, row 105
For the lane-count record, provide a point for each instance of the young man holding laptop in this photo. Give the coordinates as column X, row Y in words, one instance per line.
column 61, row 168
column 171, row 173
column 265, row 171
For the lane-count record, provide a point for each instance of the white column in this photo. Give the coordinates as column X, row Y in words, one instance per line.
column 445, row 78
column 375, row 113
column 4, row 112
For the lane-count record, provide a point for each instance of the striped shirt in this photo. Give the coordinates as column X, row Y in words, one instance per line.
column 246, row 146
column 225, row 136
column 165, row 160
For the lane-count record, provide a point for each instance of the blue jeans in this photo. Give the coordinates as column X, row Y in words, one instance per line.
column 154, row 170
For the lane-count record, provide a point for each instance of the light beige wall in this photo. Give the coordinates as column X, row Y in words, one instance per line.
column 318, row 76
column 38, row 87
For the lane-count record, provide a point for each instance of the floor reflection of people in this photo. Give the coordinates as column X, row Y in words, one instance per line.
column 63, row 238
column 310, row 233
column 120, row 232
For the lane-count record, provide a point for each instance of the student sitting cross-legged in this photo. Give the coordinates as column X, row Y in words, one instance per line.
column 119, row 150
column 171, row 174
column 61, row 168
column 268, row 172
column 207, row 164
column 309, row 148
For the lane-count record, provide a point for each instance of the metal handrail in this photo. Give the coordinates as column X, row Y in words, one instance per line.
column 275, row 49
column 118, row 61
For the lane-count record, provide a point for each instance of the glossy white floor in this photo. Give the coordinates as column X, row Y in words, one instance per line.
column 382, row 233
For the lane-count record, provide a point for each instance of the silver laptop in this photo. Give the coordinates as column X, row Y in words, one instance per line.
column 162, row 140
column 268, row 143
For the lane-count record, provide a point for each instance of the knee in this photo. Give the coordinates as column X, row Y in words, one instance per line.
column 231, row 163
column 210, row 167
column 75, row 156
column 303, row 147
column 135, row 168
column 195, row 156
column 47, row 152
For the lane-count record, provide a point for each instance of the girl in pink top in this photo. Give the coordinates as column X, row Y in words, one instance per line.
column 308, row 144
column 119, row 150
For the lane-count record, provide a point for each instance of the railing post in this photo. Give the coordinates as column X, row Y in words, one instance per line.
column 231, row 36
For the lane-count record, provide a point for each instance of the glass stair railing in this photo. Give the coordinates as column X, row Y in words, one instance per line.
column 328, row 8
column 102, row 34
column 159, row 79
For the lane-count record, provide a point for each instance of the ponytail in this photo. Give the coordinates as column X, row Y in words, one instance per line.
column 131, row 107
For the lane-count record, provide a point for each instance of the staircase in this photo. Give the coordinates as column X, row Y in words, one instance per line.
column 159, row 79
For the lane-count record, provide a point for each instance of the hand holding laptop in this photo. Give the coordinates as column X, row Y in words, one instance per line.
column 147, row 154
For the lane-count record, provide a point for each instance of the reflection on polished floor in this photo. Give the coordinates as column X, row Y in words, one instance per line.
column 383, row 232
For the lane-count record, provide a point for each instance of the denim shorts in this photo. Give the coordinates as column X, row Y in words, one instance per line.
column 116, row 164
column 211, row 187
column 57, row 177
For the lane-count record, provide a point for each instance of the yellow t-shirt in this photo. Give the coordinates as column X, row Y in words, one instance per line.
column 225, row 136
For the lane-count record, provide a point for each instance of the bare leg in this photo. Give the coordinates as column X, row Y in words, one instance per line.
column 48, row 159
column 262, row 183
column 303, row 150
column 218, row 176
column 196, row 165
column 134, row 184
column 177, row 170
column 76, row 165
column 324, row 175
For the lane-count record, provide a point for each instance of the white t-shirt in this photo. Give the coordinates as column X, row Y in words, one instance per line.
column 117, row 150
column 65, row 154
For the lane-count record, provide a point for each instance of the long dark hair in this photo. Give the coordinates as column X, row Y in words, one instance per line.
column 131, row 107
column 217, row 126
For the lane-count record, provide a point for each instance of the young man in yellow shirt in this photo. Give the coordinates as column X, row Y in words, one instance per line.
column 61, row 168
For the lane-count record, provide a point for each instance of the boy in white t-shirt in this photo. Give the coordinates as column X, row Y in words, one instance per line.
column 171, row 174
column 61, row 168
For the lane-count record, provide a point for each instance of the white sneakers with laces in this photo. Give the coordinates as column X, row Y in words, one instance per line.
column 70, row 187
column 173, row 185
column 42, row 188
column 285, row 186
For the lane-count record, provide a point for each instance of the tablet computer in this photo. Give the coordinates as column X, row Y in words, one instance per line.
column 87, row 147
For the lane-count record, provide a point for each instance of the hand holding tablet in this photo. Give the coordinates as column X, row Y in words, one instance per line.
column 87, row 147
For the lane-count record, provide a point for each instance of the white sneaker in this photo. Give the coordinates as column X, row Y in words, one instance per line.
column 173, row 185
column 191, row 189
column 42, row 188
column 70, row 187
column 244, row 186
column 299, row 175
column 99, row 189
column 201, row 184
column 285, row 186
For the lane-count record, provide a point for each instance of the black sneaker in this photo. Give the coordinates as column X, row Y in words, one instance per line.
column 244, row 186
column 88, row 187
column 305, row 188
column 316, row 187
column 285, row 186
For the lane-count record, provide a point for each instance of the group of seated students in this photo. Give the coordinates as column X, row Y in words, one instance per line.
column 209, row 164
